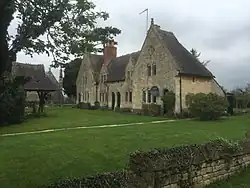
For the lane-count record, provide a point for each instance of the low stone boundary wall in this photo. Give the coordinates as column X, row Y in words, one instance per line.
column 180, row 167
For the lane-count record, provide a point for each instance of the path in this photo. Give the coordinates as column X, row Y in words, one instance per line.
column 83, row 127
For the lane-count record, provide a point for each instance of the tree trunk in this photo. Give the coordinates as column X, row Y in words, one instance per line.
column 6, row 15
column 42, row 96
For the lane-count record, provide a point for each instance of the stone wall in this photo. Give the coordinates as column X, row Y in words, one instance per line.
column 188, row 166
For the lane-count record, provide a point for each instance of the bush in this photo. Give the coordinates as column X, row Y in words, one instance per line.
column 207, row 106
column 151, row 110
column 83, row 105
column 169, row 101
column 97, row 105
column 12, row 100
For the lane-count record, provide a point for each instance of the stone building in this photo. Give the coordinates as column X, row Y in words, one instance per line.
column 128, row 81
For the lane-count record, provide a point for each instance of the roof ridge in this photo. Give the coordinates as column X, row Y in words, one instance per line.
column 186, row 62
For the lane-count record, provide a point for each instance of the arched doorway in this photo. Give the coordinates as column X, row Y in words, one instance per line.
column 113, row 101
column 118, row 100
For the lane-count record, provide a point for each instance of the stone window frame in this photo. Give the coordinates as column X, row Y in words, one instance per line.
column 126, row 96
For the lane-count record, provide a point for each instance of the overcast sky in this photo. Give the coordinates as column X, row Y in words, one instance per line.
column 219, row 29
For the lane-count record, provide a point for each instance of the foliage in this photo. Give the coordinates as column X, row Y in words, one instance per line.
column 151, row 110
column 170, row 161
column 70, row 76
column 59, row 28
column 183, row 157
column 12, row 100
column 169, row 100
column 242, row 96
column 83, row 105
column 197, row 55
column 206, row 106
column 108, row 180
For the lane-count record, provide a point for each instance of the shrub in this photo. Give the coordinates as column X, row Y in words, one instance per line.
column 151, row 110
column 169, row 101
column 12, row 99
column 83, row 105
column 97, row 105
column 207, row 106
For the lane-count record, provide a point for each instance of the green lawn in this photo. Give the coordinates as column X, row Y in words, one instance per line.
column 33, row 160
column 71, row 117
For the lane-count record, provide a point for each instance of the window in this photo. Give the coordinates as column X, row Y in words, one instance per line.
column 130, row 96
column 149, row 70
column 154, row 99
column 126, row 96
column 149, row 96
column 144, row 96
column 100, row 97
column 88, row 96
column 193, row 79
column 154, row 69
column 128, row 75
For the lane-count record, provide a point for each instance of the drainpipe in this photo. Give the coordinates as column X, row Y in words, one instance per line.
column 180, row 82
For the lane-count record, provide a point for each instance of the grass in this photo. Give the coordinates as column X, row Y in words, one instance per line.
column 71, row 117
column 34, row 160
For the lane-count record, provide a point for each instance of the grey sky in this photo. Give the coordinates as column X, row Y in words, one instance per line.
column 220, row 30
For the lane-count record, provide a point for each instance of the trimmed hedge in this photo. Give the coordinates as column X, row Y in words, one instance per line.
column 181, row 158
column 121, row 179
column 207, row 106
column 151, row 110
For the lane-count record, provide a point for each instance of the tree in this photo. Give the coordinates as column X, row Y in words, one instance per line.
column 6, row 15
column 197, row 55
column 242, row 96
column 59, row 28
column 70, row 75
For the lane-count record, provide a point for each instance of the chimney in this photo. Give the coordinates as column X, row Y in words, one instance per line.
column 110, row 51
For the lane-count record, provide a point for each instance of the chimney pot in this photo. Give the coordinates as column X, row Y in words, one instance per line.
column 110, row 51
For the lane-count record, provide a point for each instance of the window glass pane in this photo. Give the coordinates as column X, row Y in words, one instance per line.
column 154, row 99
column 154, row 69
column 144, row 96
column 149, row 96
column 149, row 70
column 130, row 96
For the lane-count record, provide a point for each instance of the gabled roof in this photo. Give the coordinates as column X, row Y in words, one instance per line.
column 96, row 62
column 56, row 96
column 38, row 79
column 186, row 62
column 117, row 67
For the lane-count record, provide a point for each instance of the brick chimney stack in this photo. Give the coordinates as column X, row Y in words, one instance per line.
column 110, row 51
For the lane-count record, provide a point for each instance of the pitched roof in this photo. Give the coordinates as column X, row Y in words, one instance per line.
column 38, row 79
column 186, row 62
column 56, row 96
column 97, row 62
column 118, row 66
